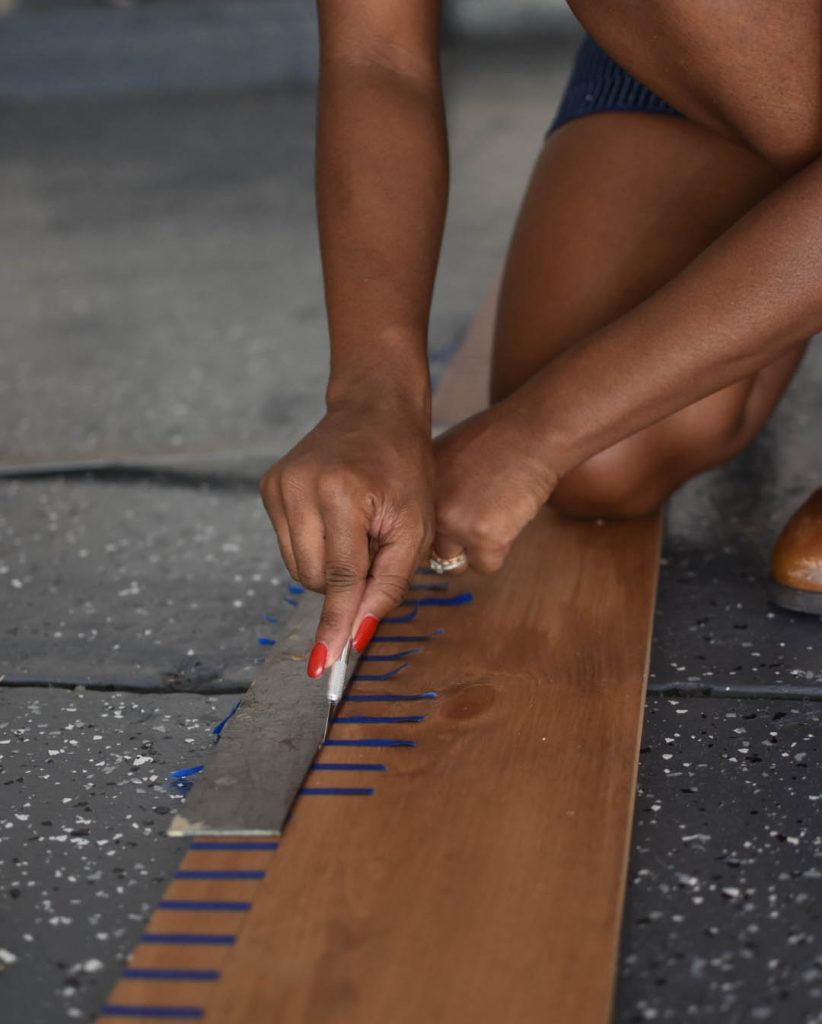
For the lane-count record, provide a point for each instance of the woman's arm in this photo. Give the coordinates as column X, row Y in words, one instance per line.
column 381, row 186
column 352, row 503
column 747, row 299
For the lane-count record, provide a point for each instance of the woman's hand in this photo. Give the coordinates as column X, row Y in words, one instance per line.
column 491, row 480
column 352, row 505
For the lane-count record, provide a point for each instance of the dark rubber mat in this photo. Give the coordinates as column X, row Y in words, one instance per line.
column 724, row 899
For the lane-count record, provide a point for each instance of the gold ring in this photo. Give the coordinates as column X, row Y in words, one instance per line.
column 443, row 565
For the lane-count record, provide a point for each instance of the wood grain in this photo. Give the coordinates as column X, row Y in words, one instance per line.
column 484, row 879
column 207, row 858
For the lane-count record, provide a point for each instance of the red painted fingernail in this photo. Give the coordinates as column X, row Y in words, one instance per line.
column 316, row 660
column 366, row 629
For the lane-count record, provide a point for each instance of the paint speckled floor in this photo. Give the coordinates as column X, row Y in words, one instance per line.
column 724, row 912
column 162, row 333
column 82, row 855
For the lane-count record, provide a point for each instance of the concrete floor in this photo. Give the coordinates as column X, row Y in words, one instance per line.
column 161, row 294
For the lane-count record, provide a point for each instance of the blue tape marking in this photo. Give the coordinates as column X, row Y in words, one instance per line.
column 377, row 719
column 391, row 657
column 327, row 766
column 442, row 602
column 408, row 617
column 229, row 905
column 182, row 939
column 291, row 601
column 265, row 641
column 271, row 618
column 218, row 728
column 428, row 586
column 219, row 874
column 390, row 696
column 295, row 588
column 370, row 743
column 380, row 677
column 164, row 1012
column 407, row 639
column 182, row 773
column 336, row 791
column 169, row 974
column 200, row 845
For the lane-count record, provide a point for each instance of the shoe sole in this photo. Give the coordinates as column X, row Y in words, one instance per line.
column 808, row 602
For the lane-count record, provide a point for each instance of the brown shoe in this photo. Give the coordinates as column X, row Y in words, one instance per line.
column 796, row 564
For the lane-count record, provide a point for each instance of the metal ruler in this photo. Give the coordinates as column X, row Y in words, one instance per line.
column 254, row 773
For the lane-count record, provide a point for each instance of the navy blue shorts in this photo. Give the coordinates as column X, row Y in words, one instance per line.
column 598, row 83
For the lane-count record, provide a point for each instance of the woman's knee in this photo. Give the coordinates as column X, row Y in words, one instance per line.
column 608, row 488
column 636, row 476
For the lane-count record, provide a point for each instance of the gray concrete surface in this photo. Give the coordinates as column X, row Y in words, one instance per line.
column 140, row 584
column 160, row 292
column 161, row 285
column 121, row 47
column 83, row 858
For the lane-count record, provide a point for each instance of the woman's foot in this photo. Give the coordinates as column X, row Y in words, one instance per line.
column 796, row 564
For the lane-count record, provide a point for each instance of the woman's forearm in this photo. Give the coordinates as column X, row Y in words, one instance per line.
column 381, row 189
column 743, row 302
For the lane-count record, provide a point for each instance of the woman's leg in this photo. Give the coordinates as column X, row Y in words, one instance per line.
column 617, row 204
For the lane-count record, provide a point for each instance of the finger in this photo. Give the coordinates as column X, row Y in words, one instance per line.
column 307, row 533
column 446, row 547
column 345, row 571
column 484, row 559
column 276, row 513
column 392, row 571
column 283, row 535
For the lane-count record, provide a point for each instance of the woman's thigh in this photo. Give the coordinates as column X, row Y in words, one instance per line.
column 616, row 205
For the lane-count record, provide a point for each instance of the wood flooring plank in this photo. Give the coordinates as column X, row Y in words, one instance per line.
column 484, row 878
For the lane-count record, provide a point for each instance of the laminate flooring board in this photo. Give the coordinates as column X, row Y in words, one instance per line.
column 484, row 878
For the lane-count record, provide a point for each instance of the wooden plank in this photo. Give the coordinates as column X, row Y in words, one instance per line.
column 484, row 879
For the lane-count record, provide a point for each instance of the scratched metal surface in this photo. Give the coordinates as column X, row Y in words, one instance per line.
column 252, row 776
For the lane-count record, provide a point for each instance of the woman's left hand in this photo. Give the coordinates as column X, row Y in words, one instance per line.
column 490, row 481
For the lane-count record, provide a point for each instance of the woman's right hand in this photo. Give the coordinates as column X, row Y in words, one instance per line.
column 352, row 505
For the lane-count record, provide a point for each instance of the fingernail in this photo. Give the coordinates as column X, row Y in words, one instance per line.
column 316, row 660
column 366, row 629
